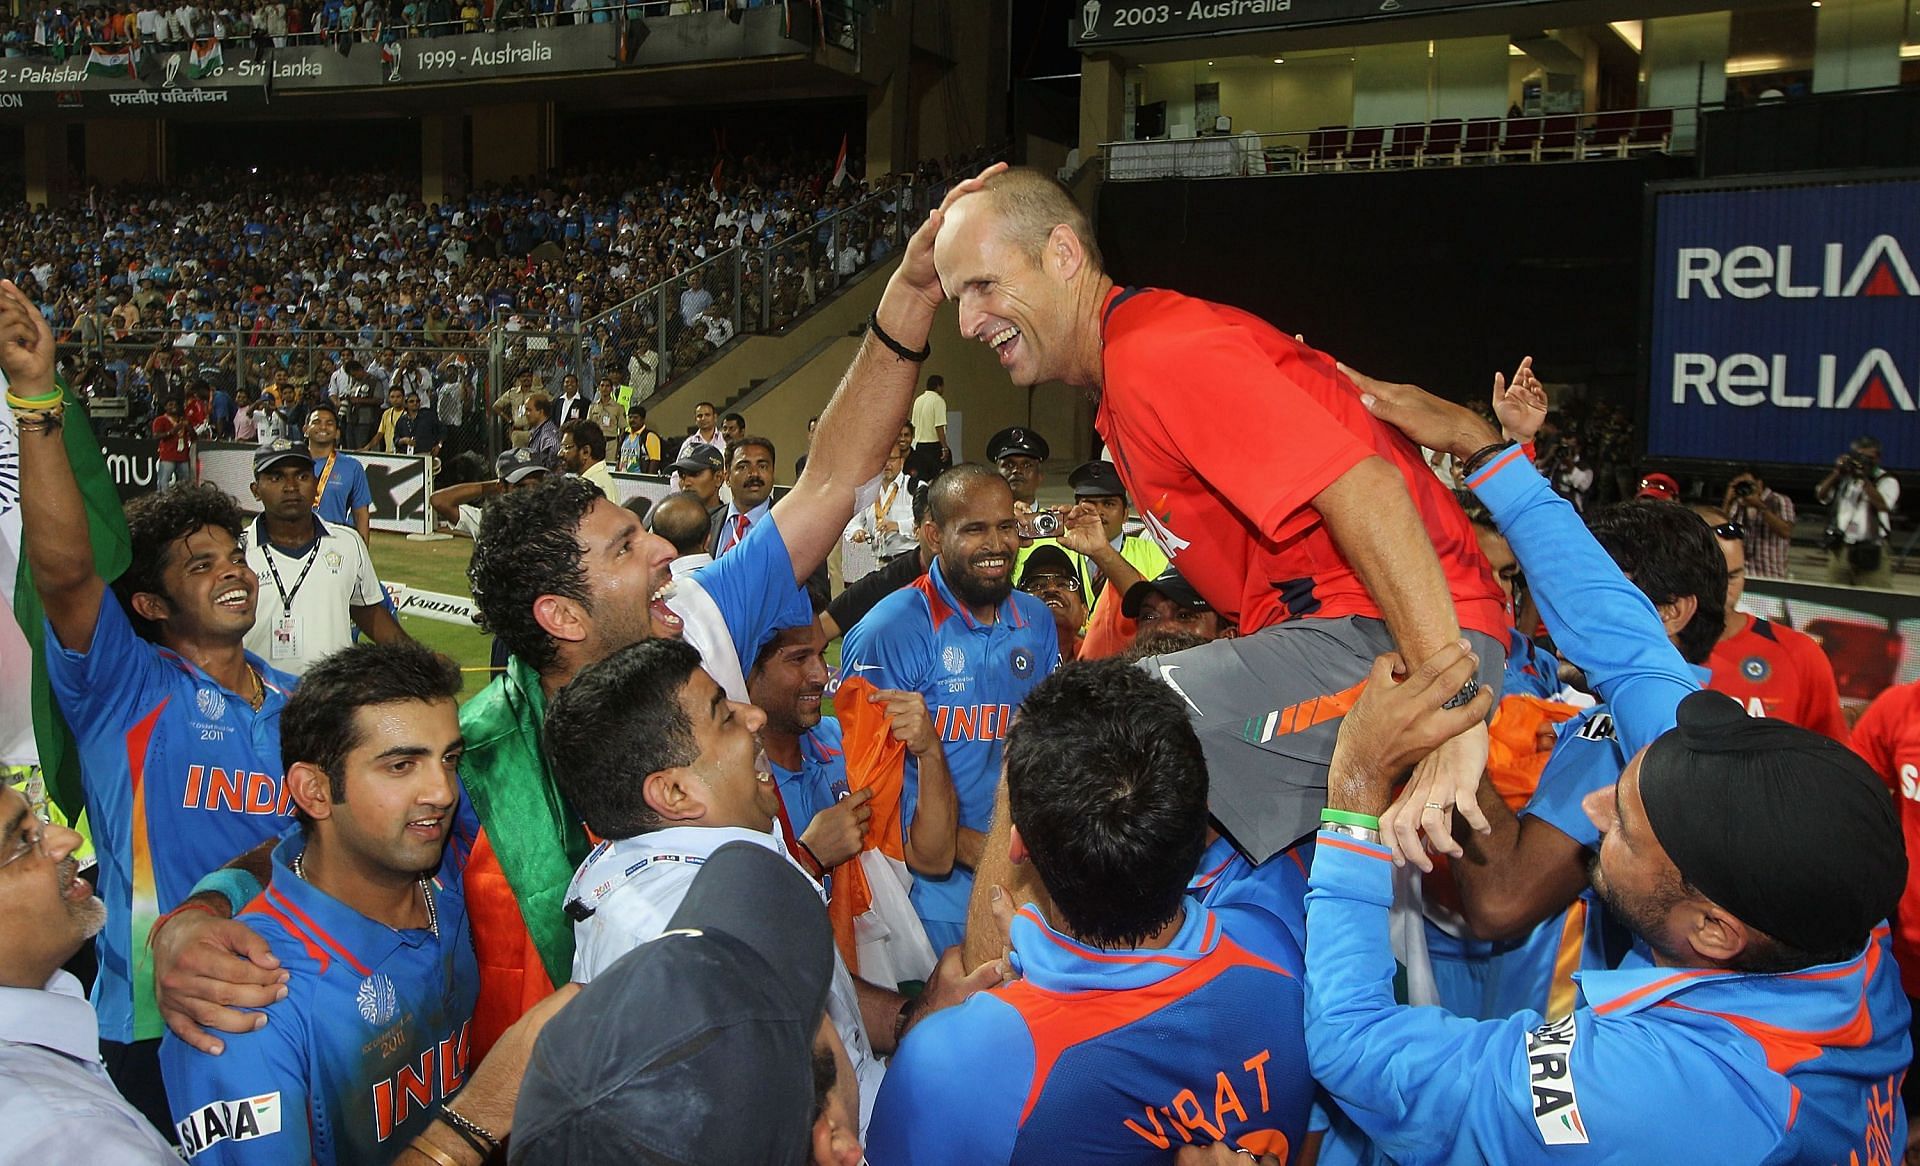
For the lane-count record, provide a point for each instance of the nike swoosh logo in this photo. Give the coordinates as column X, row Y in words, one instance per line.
column 865, row 667
column 1166, row 675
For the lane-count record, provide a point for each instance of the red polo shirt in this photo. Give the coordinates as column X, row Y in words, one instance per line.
column 1224, row 429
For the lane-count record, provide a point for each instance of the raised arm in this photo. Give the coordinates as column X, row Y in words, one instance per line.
column 53, row 513
column 862, row 422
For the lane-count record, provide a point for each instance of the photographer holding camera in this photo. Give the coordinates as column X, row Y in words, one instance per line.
column 1863, row 497
column 1766, row 522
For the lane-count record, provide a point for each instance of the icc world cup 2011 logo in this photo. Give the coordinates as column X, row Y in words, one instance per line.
column 1089, row 17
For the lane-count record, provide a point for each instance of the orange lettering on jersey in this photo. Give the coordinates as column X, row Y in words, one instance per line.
column 261, row 795
column 453, row 1062
column 1191, row 1115
column 419, row 1086
column 192, row 798
column 1225, row 1101
column 285, row 805
column 1258, row 1066
column 416, row 1086
column 1158, row 1137
column 1877, row 1139
column 1186, row 1135
column 940, row 723
column 987, row 715
column 965, row 722
column 383, row 1110
column 225, row 792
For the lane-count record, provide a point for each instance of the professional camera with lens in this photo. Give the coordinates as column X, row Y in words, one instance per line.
column 1042, row 524
column 1856, row 465
column 1743, row 489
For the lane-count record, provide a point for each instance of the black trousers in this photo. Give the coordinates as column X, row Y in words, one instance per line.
column 923, row 464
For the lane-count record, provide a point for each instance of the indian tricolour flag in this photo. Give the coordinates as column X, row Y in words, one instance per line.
column 203, row 58
column 31, row 730
column 115, row 60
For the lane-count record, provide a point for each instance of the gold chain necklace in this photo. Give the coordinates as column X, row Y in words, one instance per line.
column 426, row 892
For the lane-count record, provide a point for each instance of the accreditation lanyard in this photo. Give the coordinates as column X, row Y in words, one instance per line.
column 325, row 473
column 286, row 597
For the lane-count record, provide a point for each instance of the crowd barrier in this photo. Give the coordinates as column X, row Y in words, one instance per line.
column 1872, row 638
column 399, row 482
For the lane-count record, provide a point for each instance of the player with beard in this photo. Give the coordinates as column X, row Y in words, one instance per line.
column 1755, row 861
column 153, row 676
column 973, row 647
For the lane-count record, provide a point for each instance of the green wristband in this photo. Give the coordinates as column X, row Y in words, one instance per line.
column 1349, row 818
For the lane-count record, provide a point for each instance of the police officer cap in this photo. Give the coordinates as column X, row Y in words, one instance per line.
column 1017, row 439
column 1096, row 479
column 1789, row 830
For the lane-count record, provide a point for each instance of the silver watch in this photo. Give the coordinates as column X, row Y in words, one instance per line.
column 1348, row 830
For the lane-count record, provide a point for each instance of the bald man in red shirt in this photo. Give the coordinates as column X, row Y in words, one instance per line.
column 1317, row 529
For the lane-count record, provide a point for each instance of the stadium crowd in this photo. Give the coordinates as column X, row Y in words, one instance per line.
column 48, row 28
column 274, row 289
column 1266, row 835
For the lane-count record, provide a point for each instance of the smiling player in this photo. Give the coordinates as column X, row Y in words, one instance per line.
column 973, row 647
column 178, row 725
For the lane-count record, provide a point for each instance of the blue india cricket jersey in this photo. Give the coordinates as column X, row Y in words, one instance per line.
column 371, row 1040
column 1106, row 1056
column 181, row 775
column 973, row 676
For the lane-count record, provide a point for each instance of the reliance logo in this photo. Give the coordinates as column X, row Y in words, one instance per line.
column 1747, row 379
column 1752, row 273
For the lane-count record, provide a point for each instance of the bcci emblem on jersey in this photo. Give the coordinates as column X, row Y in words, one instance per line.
column 1755, row 669
column 1022, row 663
column 377, row 1000
column 212, row 703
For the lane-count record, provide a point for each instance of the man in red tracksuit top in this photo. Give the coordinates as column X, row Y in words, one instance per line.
column 1256, row 466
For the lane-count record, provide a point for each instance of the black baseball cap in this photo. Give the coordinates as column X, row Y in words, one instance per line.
column 697, row 1046
column 1096, row 479
column 514, row 466
column 697, row 457
column 1017, row 439
column 269, row 456
column 1047, row 556
column 1169, row 583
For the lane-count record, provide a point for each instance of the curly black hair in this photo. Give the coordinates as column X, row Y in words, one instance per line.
column 1669, row 554
column 529, row 546
column 154, row 523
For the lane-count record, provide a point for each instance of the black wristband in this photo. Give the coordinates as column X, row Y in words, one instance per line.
column 894, row 346
column 1480, row 457
column 479, row 1147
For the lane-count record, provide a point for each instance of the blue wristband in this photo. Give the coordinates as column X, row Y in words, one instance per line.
column 234, row 885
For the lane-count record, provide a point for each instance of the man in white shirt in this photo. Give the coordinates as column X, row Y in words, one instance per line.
column 316, row 580
column 1863, row 497
column 59, row 1102
column 583, row 451
column 660, row 763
